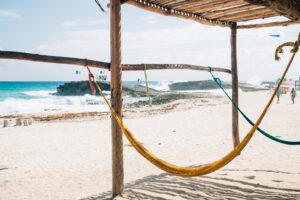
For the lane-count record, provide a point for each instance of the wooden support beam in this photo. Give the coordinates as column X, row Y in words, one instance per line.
column 52, row 59
column 253, row 17
column 104, row 65
column 219, row 13
column 270, row 24
column 116, row 97
column 243, row 14
column 235, row 86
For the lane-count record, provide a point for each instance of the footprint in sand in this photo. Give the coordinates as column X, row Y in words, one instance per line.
column 249, row 177
column 3, row 167
column 277, row 181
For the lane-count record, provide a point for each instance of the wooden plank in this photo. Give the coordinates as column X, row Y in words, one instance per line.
column 103, row 65
column 235, row 87
column 270, row 24
column 116, row 97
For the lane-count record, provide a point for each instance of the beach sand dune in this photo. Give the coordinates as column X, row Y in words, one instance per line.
column 72, row 159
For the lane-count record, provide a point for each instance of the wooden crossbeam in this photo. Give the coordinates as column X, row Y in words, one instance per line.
column 103, row 65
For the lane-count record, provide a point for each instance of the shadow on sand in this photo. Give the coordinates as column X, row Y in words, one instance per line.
column 165, row 186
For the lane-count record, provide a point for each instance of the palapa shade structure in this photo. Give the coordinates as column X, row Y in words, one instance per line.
column 223, row 13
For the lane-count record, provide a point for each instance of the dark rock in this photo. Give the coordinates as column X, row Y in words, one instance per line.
column 80, row 88
column 166, row 98
column 197, row 85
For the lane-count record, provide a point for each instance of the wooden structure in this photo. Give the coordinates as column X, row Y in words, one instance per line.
column 223, row 13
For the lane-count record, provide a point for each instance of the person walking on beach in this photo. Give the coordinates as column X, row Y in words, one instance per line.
column 293, row 95
column 278, row 94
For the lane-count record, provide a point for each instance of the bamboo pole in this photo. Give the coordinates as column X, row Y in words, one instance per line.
column 104, row 65
column 235, row 86
column 116, row 97
column 269, row 24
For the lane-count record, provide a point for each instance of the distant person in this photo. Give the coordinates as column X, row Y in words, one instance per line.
column 293, row 95
column 278, row 94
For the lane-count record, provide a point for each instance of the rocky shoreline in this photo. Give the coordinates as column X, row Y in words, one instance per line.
column 81, row 88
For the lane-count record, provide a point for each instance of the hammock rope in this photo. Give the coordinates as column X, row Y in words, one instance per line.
column 268, row 135
column 197, row 170
column 91, row 78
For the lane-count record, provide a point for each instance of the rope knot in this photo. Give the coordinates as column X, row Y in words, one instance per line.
column 209, row 69
column 217, row 80
column 294, row 45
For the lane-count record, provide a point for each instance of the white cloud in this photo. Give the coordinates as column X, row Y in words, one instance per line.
column 193, row 44
column 9, row 14
column 69, row 24
column 80, row 23
column 97, row 22
column 151, row 20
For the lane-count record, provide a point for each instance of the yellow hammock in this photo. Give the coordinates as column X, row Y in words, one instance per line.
column 202, row 169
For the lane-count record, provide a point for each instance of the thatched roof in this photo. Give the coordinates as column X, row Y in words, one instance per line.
column 287, row 8
column 225, row 12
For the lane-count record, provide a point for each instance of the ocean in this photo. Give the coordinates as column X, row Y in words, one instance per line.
column 36, row 97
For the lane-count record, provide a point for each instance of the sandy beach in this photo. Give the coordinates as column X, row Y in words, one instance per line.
column 71, row 159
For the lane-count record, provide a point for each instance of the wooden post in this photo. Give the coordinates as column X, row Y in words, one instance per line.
column 5, row 123
column 18, row 122
column 235, row 86
column 116, row 96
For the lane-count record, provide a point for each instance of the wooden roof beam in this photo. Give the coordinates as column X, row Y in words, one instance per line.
column 218, row 13
column 254, row 17
column 174, row 4
column 270, row 24
column 146, row 5
column 200, row 4
column 217, row 6
column 258, row 12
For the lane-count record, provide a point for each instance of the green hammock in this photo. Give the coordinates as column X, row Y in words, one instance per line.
column 219, row 83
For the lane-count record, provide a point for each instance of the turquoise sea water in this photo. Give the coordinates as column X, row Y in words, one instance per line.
column 36, row 97
column 21, row 90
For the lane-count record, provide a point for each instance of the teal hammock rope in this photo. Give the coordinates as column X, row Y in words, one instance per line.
column 219, row 83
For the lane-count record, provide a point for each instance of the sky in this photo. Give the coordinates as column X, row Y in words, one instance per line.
column 77, row 28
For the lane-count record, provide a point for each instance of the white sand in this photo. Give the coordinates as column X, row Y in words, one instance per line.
column 72, row 160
